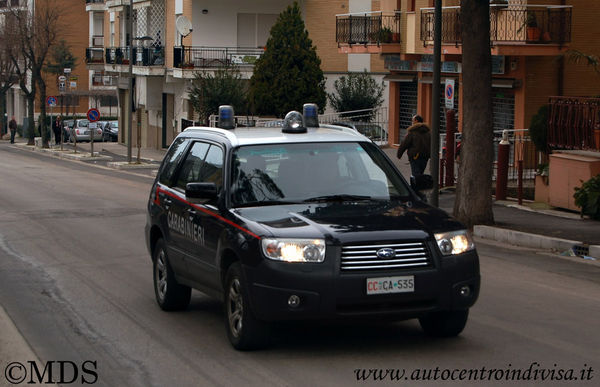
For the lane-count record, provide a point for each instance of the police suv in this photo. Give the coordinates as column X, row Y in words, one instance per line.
column 302, row 222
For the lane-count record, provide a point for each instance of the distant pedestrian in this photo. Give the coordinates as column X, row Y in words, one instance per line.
column 417, row 144
column 12, row 125
column 57, row 129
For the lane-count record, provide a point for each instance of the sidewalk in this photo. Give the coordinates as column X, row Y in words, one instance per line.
column 529, row 225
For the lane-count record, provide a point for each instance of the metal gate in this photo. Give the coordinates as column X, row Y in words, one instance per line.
column 407, row 108
column 503, row 110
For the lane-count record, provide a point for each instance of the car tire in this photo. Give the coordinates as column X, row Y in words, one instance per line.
column 446, row 323
column 169, row 294
column 245, row 332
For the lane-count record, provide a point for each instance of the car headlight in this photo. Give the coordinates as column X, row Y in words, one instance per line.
column 294, row 250
column 454, row 242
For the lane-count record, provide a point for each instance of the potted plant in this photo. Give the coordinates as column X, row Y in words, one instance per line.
column 533, row 31
column 384, row 35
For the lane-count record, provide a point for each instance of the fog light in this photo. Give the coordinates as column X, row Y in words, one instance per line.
column 294, row 301
column 465, row 291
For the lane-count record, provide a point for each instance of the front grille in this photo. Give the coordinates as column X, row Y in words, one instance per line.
column 364, row 257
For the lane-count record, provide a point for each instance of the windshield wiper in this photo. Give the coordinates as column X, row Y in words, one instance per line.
column 338, row 198
column 258, row 203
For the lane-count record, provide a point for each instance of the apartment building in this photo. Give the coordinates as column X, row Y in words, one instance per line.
column 72, row 91
column 528, row 42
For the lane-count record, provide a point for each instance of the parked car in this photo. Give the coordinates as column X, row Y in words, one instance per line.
column 81, row 131
column 368, row 129
column 111, row 131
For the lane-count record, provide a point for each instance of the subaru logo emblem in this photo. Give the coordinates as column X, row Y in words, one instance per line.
column 386, row 253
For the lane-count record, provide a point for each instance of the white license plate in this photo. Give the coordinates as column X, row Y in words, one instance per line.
column 383, row 285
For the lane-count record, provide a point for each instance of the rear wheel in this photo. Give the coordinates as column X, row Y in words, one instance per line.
column 245, row 332
column 447, row 323
column 169, row 294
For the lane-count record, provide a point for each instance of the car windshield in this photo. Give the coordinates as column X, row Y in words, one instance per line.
column 83, row 123
column 114, row 124
column 313, row 172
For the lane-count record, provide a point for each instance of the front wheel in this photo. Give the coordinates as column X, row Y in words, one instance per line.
column 169, row 294
column 245, row 332
column 447, row 323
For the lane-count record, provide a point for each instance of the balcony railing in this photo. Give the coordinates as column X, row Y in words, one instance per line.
column 368, row 28
column 94, row 55
column 512, row 24
column 11, row 3
column 203, row 57
column 94, row 1
column 99, row 79
column 573, row 123
column 150, row 56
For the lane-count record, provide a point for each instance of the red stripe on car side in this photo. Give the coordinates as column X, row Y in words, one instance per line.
column 206, row 211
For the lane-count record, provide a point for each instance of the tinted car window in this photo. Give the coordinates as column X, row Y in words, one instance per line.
column 190, row 171
column 212, row 169
column 171, row 160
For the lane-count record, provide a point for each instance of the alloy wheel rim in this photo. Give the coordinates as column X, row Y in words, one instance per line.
column 161, row 275
column 235, row 308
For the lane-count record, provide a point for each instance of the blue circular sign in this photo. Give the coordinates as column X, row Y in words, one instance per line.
column 93, row 115
column 51, row 101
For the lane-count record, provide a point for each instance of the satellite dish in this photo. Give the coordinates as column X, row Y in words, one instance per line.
column 183, row 25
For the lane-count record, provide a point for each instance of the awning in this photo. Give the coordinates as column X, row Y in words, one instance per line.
column 503, row 83
column 399, row 78
column 429, row 80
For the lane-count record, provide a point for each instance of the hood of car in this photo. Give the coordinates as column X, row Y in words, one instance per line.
column 347, row 221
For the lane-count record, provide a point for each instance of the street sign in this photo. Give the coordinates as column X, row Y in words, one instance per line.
column 51, row 101
column 67, row 70
column 93, row 125
column 62, row 78
column 449, row 93
column 93, row 115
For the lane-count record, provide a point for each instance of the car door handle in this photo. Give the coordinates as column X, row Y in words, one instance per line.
column 192, row 212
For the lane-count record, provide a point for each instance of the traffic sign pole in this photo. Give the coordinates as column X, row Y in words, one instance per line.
column 93, row 115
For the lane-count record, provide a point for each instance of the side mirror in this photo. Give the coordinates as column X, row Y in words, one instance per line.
column 421, row 182
column 200, row 192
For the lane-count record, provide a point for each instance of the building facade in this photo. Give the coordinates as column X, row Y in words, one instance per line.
column 529, row 40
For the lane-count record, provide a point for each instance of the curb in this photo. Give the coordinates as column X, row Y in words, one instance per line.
column 535, row 241
column 126, row 165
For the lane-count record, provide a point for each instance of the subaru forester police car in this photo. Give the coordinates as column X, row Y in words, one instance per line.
column 302, row 222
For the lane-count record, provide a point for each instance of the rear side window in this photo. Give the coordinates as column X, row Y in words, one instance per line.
column 171, row 160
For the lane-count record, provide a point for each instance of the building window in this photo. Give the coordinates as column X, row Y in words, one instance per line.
column 410, row 6
column 254, row 29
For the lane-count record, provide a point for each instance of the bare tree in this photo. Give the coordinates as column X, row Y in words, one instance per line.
column 473, row 204
column 36, row 32
column 7, row 71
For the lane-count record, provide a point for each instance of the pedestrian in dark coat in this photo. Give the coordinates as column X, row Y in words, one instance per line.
column 417, row 145
column 57, row 129
column 12, row 125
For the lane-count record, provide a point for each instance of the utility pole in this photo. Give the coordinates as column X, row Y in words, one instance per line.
column 435, row 103
column 129, row 103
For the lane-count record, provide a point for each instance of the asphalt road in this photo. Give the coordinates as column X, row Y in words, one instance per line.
column 76, row 280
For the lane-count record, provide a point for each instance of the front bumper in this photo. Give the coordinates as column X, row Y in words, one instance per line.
column 327, row 293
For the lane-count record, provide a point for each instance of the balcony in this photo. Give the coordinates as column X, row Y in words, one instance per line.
column 101, row 80
column 94, row 55
column 368, row 32
column 12, row 3
column 514, row 30
column 214, row 57
column 94, row 5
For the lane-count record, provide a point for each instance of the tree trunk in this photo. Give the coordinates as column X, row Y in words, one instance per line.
column 3, row 122
column 473, row 203
column 31, row 122
column 45, row 132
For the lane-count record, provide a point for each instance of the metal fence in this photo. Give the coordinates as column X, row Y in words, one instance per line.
column 574, row 123
column 521, row 148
